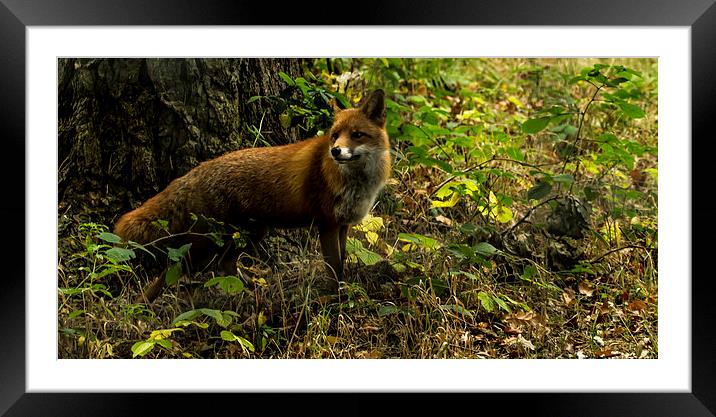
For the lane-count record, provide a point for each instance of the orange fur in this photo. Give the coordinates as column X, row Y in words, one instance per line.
column 294, row 185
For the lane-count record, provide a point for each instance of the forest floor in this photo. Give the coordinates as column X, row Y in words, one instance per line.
column 520, row 222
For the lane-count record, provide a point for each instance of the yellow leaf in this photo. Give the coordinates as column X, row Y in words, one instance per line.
column 372, row 237
column 516, row 102
column 449, row 203
column 370, row 223
column 503, row 214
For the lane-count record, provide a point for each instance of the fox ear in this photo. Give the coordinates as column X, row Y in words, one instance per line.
column 336, row 106
column 374, row 107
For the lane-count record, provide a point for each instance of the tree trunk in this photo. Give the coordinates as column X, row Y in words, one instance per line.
column 127, row 127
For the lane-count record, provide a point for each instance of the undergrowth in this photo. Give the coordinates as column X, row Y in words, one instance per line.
column 520, row 222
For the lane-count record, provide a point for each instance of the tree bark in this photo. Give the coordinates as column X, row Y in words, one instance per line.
column 127, row 127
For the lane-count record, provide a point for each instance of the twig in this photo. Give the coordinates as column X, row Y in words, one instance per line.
column 617, row 250
column 529, row 213
column 480, row 165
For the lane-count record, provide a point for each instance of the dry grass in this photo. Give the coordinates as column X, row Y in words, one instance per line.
column 417, row 302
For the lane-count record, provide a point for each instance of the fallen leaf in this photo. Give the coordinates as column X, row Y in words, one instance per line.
column 607, row 353
column 568, row 297
column 636, row 305
column 586, row 289
column 368, row 328
column 443, row 219
column 370, row 354
column 525, row 343
column 513, row 330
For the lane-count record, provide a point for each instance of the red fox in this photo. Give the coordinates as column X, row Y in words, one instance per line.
column 329, row 182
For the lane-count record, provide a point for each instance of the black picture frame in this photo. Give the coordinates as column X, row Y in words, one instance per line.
column 16, row 15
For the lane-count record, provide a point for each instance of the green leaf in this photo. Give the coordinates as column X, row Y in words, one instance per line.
column 366, row 256
column 230, row 283
column 631, row 110
column 177, row 254
column 521, row 305
column 173, row 274
column 221, row 319
column 386, row 310
column 187, row 316
column 515, row 153
column 500, row 302
column 230, row 337
column 486, row 249
column 486, row 301
column 162, row 224
column 164, row 343
column 535, row 125
column 528, row 272
column 461, row 250
column 109, row 237
column 563, row 178
column 142, row 348
column 539, row 191
column 141, row 247
column 460, row 310
column 120, row 254
column 419, row 240
column 616, row 81
column 75, row 314
column 286, row 78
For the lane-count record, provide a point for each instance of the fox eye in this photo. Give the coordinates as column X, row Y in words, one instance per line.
column 334, row 135
column 357, row 135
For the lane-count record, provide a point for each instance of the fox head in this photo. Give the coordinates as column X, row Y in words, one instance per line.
column 359, row 132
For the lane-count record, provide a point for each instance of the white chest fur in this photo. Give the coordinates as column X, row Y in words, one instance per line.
column 364, row 179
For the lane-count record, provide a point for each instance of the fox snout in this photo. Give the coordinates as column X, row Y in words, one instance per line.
column 343, row 154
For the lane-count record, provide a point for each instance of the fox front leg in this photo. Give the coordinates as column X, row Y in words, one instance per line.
column 342, row 236
column 331, row 248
